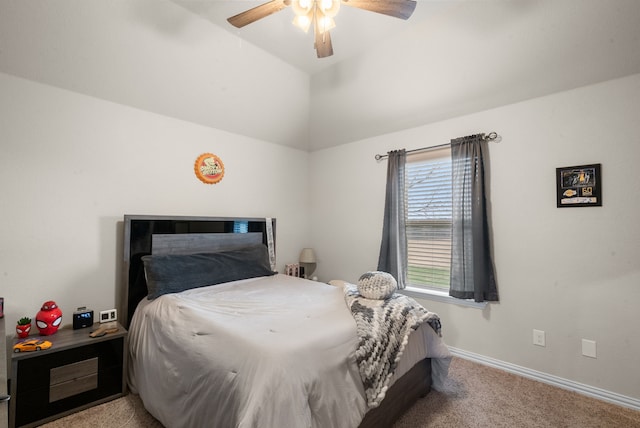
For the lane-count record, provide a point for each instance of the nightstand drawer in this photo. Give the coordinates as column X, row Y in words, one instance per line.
column 73, row 371
column 72, row 379
column 73, row 387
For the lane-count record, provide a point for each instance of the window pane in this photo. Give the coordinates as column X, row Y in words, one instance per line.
column 429, row 219
column 240, row 226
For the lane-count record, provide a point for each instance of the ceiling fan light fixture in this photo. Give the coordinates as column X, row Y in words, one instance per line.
column 302, row 7
column 320, row 14
column 329, row 8
column 325, row 24
column 303, row 22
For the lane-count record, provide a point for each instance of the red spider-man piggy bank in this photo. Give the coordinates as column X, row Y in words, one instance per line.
column 49, row 318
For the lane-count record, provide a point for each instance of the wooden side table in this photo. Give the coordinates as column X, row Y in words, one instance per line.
column 77, row 372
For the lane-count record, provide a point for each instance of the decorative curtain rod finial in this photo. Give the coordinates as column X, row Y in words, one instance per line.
column 492, row 136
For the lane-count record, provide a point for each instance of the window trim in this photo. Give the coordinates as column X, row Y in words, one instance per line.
column 440, row 296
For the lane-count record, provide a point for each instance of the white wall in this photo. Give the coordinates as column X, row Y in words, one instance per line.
column 71, row 166
column 573, row 272
column 424, row 74
column 159, row 57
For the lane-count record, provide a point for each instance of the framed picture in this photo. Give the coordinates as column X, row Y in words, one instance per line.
column 579, row 186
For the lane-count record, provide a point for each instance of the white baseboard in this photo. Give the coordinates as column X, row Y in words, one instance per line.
column 591, row 391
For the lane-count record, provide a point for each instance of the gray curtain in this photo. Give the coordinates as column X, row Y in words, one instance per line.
column 472, row 273
column 393, row 249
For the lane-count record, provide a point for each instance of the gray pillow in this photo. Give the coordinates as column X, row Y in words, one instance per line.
column 174, row 273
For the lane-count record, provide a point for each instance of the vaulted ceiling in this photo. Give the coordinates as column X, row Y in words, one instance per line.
column 182, row 59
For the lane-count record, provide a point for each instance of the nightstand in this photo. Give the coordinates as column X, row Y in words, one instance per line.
column 77, row 372
column 4, row 405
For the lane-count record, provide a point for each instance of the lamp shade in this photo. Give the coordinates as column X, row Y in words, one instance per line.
column 307, row 255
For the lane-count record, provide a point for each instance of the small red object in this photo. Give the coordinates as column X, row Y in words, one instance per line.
column 49, row 318
column 22, row 330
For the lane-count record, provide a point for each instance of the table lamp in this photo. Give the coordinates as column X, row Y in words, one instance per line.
column 308, row 261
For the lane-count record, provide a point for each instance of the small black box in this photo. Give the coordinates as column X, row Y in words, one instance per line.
column 82, row 318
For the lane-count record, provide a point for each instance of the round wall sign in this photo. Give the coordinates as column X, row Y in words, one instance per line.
column 209, row 168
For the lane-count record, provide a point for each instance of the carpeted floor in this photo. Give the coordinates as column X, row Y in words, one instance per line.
column 475, row 396
column 481, row 396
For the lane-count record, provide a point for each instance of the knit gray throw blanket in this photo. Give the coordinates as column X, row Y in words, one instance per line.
column 383, row 331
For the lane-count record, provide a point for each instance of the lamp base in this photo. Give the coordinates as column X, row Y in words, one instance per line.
column 309, row 268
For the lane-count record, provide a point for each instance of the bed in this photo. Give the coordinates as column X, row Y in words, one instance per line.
column 258, row 350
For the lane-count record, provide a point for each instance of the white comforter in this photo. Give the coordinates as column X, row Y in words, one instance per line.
column 264, row 352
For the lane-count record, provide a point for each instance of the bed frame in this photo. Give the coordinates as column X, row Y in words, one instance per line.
column 145, row 235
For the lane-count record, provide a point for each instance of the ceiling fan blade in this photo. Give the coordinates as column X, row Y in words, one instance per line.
column 258, row 12
column 402, row 9
column 323, row 44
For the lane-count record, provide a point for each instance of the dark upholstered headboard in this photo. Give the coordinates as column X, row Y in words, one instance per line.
column 145, row 235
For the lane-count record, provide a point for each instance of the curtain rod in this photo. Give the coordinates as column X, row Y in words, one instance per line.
column 491, row 137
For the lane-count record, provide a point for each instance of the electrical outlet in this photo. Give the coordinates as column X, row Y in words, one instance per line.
column 108, row 315
column 538, row 338
column 589, row 348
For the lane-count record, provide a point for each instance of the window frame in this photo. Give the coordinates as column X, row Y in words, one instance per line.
column 437, row 162
column 424, row 291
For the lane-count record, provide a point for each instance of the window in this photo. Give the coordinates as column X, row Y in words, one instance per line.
column 240, row 226
column 428, row 222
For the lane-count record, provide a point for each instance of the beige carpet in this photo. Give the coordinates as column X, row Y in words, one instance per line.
column 481, row 396
column 475, row 396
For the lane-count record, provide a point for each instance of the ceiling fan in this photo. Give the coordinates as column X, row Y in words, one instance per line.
column 320, row 14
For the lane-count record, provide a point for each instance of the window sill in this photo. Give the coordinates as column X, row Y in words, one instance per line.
column 440, row 296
